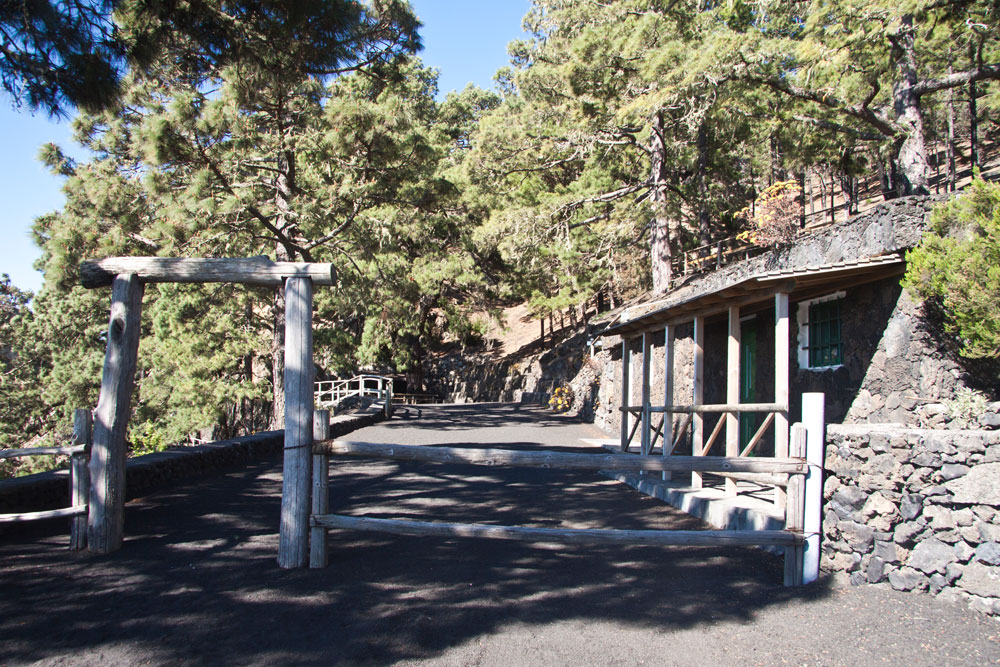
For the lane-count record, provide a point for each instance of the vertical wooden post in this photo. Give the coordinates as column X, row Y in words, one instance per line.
column 814, row 419
column 626, row 394
column 106, row 515
column 293, row 543
column 320, row 491
column 698, row 398
column 795, row 509
column 668, row 394
column 647, row 428
column 79, row 477
column 733, row 392
column 781, row 383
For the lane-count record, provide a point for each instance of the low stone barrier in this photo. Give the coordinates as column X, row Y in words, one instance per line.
column 915, row 509
column 151, row 472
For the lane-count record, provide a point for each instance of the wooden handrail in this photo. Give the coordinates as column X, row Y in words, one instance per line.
column 560, row 460
column 42, row 451
column 711, row 407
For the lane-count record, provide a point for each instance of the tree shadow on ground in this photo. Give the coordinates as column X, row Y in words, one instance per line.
column 197, row 579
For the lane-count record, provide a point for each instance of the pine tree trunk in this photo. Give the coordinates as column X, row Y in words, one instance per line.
column 284, row 191
column 659, row 234
column 952, row 175
column 910, row 154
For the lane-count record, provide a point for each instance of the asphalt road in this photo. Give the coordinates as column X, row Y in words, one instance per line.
column 197, row 581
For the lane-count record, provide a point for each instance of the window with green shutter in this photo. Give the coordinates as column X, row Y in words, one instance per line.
column 824, row 334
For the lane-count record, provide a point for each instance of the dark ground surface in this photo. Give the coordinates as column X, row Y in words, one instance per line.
column 197, row 581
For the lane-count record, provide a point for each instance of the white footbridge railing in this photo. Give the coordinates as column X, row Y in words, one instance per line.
column 331, row 394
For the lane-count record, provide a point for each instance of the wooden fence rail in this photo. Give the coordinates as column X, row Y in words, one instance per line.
column 560, row 460
column 564, row 535
column 79, row 480
column 795, row 470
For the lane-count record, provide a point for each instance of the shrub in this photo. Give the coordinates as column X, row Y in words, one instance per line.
column 775, row 215
column 957, row 265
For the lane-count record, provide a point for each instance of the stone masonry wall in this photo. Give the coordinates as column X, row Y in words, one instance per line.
column 915, row 509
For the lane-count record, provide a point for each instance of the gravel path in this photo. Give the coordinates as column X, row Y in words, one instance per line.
column 197, row 583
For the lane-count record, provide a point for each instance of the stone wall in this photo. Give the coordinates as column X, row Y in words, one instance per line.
column 528, row 376
column 148, row 473
column 915, row 509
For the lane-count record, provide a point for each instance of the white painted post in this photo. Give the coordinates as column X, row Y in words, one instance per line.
column 106, row 515
column 733, row 392
column 668, row 394
column 320, row 491
column 697, row 420
column 647, row 430
column 813, row 417
column 781, row 383
column 626, row 395
column 293, row 542
column 79, row 477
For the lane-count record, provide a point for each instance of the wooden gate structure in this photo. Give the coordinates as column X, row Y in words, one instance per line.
column 304, row 507
column 127, row 277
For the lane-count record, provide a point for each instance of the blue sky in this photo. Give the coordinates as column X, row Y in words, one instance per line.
column 466, row 41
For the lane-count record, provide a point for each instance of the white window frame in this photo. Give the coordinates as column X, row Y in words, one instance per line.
column 802, row 317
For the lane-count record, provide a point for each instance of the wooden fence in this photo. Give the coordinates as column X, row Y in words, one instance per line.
column 800, row 474
column 79, row 480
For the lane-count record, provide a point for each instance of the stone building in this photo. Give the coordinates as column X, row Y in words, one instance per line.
column 911, row 462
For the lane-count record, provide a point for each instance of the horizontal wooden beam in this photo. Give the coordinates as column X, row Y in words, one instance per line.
column 713, row 407
column 557, row 460
column 563, row 535
column 42, row 451
column 47, row 514
column 247, row 271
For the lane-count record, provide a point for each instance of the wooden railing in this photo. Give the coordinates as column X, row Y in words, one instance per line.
column 715, row 255
column 331, row 393
column 803, row 481
column 79, row 480
column 690, row 413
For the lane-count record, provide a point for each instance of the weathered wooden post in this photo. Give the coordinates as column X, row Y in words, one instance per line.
column 668, row 394
column 293, row 543
column 320, row 490
column 626, row 394
column 106, row 518
column 646, row 438
column 79, row 477
column 698, row 397
column 733, row 392
column 795, row 509
column 814, row 419
column 781, row 383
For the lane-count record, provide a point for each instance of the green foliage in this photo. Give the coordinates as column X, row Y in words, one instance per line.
column 958, row 265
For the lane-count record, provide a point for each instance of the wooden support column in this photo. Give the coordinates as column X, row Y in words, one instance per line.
column 647, row 427
column 668, row 394
column 698, row 397
column 626, row 417
column 79, row 477
column 293, row 543
column 320, row 491
column 733, row 392
column 106, row 518
column 781, row 383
